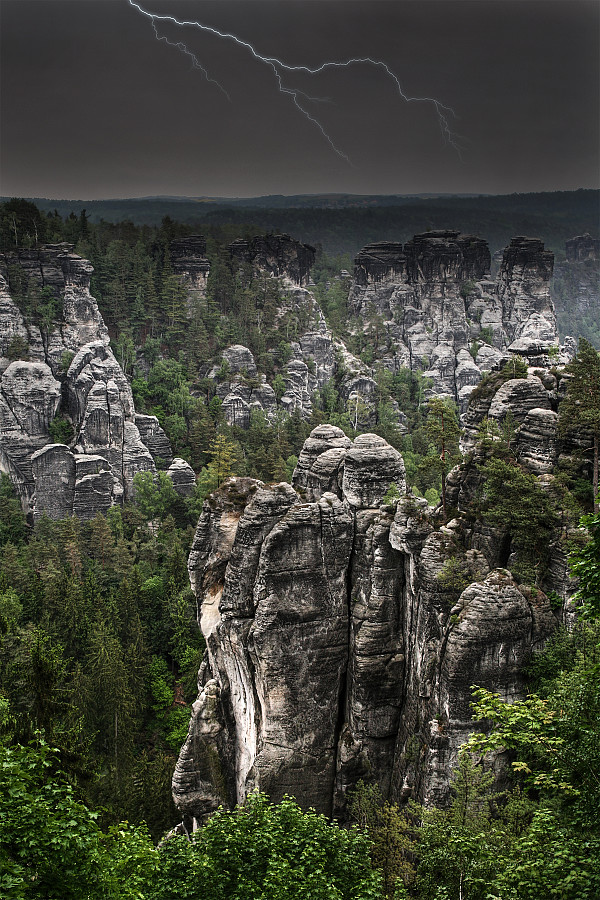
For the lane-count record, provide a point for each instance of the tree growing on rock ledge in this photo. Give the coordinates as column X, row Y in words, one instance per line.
column 581, row 407
column 443, row 434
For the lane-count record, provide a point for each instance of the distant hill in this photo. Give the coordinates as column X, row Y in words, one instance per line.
column 343, row 223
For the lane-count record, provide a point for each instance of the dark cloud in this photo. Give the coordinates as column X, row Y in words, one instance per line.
column 93, row 106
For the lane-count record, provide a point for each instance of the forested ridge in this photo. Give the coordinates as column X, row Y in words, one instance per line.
column 99, row 646
column 345, row 224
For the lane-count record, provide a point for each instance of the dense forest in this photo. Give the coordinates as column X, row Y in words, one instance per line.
column 343, row 224
column 99, row 646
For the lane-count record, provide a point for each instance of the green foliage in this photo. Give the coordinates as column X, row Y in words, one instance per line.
column 555, row 738
column 460, row 849
column 264, row 850
column 467, row 289
column 154, row 494
column 486, row 334
column 61, row 430
column 391, row 834
column 516, row 367
column 51, row 846
column 21, row 224
column 222, row 465
column 392, row 495
column 513, row 500
column 48, row 841
column 552, row 861
column 66, row 358
column 18, row 348
column 581, row 407
column 432, row 496
column 455, row 575
column 13, row 527
column 585, row 566
column 83, row 610
column 442, row 433
column 279, row 387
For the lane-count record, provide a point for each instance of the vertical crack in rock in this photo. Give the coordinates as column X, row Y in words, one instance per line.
column 335, row 652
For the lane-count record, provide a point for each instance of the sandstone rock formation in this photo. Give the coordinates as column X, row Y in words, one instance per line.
column 336, row 649
column 576, row 289
column 188, row 259
column 66, row 369
column 183, row 477
column 277, row 254
column 583, row 247
column 442, row 313
column 439, row 312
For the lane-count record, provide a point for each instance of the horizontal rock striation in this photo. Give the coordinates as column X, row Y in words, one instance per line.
column 68, row 374
column 576, row 289
column 278, row 254
column 336, row 649
column 440, row 312
column 189, row 262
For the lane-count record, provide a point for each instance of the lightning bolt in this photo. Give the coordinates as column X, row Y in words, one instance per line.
column 196, row 64
column 279, row 67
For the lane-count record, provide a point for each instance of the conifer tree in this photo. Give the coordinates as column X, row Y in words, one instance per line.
column 443, row 433
column 581, row 407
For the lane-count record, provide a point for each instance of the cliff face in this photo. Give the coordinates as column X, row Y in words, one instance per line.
column 335, row 651
column 188, row 258
column 441, row 312
column 576, row 289
column 277, row 254
column 435, row 306
column 65, row 367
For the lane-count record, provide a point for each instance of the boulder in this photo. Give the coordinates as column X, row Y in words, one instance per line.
column 183, row 477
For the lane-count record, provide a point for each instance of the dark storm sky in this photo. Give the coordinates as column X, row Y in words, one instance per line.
column 93, row 106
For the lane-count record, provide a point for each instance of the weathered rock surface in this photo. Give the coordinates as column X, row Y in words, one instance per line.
column 29, row 398
column 153, row 436
column 335, row 651
column 442, row 313
column 66, row 369
column 67, row 277
column 188, row 259
column 326, row 443
column 528, row 317
column 183, row 477
column 278, row 254
column 576, row 289
column 582, row 248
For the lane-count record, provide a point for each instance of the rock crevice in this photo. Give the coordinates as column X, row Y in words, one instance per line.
column 336, row 648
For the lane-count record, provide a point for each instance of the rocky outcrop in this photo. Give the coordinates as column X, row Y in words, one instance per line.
column 188, row 259
column 29, row 399
column 100, row 403
column 434, row 303
column 277, row 254
column 242, row 389
column 582, row 248
column 70, row 484
column 576, row 289
column 65, row 277
column 528, row 318
column 183, row 477
column 66, row 370
column 155, row 439
column 337, row 646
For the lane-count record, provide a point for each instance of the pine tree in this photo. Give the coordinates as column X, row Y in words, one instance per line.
column 221, row 466
column 443, row 433
column 581, row 407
